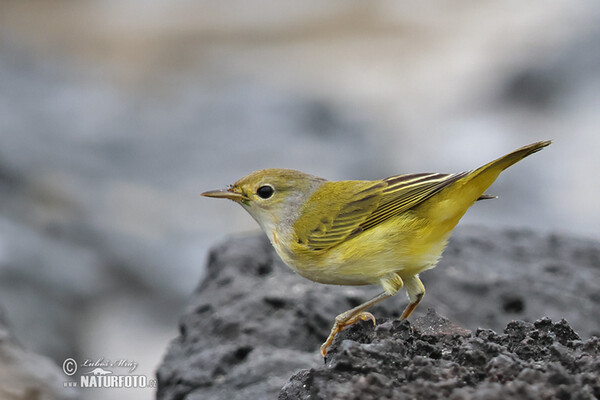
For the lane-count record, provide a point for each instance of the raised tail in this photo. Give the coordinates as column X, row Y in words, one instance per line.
column 449, row 205
column 499, row 165
column 480, row 179
column 506, row 161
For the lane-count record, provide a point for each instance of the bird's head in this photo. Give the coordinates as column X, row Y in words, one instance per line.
column 274, row 197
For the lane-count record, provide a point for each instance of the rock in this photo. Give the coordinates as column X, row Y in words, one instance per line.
column 25, row 375
column 487, row 277
column 397, row 360
column 252, row 323
column 247, row 327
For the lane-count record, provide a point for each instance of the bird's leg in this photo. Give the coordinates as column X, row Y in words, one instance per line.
column 411, row 306
column 391, row 284
column 351, row 316
column 415, row 291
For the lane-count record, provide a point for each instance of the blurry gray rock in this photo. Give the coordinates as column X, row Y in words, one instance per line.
column 252, row 323
column 25, row 375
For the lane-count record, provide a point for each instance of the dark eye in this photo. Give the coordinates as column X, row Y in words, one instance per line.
column 264, row 192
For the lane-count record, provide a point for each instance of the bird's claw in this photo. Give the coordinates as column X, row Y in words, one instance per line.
column 341, row 323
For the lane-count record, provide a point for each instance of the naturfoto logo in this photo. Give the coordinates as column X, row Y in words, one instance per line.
column 104, row 373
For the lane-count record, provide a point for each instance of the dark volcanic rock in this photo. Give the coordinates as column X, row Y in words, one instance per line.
column 249, row 326
column 252, row 324
column 541, row 360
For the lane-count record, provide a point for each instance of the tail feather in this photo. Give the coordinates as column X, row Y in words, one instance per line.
column 487, row 197
column 481, row 178
column 450, row 204
column 511, row 158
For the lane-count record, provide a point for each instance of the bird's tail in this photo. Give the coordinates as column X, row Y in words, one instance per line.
column 499, row 165
column 481, row 178
column 448, row 207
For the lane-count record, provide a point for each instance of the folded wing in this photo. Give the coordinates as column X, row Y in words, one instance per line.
column 367, row 204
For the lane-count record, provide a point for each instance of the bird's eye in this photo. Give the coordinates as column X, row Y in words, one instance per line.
column 265, row 191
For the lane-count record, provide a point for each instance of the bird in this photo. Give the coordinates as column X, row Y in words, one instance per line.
column 364, row 232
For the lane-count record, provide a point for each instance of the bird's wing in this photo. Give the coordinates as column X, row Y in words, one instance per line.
column 365, row 205
column 335, row 210
column 403, row 192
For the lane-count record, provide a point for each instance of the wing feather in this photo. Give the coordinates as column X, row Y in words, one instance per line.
column 348, row 209
column 405, row 192
column 367, row 205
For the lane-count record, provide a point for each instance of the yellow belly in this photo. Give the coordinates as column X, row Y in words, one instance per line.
column 406, row 245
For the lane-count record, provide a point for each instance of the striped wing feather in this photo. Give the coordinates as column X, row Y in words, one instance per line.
column 406, row 191
column 351, row 208
column 370, row 206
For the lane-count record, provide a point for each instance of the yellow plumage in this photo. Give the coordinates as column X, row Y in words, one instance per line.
column 413, row 219
column 364, row 232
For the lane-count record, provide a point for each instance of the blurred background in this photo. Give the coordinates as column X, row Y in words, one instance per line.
column 116, row 114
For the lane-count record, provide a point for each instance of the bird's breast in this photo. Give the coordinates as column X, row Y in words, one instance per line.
column 364, row 259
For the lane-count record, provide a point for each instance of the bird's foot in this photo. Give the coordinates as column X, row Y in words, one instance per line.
column 342, row 321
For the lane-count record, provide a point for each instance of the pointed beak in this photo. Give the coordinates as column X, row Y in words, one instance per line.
column 225, row 194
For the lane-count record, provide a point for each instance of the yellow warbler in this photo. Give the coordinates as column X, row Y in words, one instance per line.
column 364, row 232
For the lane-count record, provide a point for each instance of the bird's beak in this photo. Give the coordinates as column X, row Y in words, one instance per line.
column 225, row 194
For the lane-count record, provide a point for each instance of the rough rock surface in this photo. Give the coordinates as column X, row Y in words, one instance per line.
column 252, row 324
column 434, row 359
